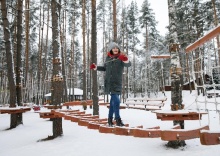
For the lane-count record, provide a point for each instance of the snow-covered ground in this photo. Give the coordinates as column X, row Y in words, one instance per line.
column 81, row 141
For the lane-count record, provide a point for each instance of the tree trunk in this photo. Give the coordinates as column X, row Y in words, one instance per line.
column 10, row 62
column 176, row 71
column 84, row 50
column 216, row 24
column 63, row 54
column 44, row 61
column 37, row 97
column 115, row 20
column 57, row 79
column 27, row 15
column 18, row 62
column 94, row 60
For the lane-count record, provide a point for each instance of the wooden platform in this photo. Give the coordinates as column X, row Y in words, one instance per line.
column 52, row 107
column 174, row 133
column 210, row 95
column 179, row 115
column 181, row 134
column 209, row 137
column 147, row 133
column 48, row 115
column 14, row 110
column 120, row 107
column 77, row 103
column 145, row 103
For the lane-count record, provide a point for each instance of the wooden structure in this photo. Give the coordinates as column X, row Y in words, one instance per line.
column 207, row 137
column 145, row 103
column 210, row 95
column 180, row 134
column 52, row 107
column 77, row 103
column 160, row 56
column 212, row 34
column 14, row 110
column 175, row 133
column 179, row 115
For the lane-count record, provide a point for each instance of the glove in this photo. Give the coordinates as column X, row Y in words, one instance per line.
column 93, row 66
column 123, row 57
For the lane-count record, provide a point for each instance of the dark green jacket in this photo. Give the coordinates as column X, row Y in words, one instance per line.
column 113, row 68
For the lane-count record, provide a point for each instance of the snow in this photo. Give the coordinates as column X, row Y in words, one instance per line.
column 77, row 91
column 81, row 141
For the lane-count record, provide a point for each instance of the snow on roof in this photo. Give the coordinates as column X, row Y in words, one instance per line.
column 77, row 91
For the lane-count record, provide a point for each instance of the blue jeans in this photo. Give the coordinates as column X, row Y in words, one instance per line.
column 114, row 106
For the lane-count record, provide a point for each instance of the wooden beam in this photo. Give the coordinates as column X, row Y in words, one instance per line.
column 210, row 35
column 181, row 134
column 209, row 137
column 179, row 115
column 160, row 56
column 14, row 110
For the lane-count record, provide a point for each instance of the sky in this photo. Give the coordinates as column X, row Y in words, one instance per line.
column 81, row 141
column 160, row 8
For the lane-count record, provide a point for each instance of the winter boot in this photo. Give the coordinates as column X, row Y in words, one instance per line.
column 110, row 123
column 119, row 122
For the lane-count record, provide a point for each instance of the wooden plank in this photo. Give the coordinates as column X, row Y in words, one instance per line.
column 160, row 56
column 120, row 107
column 209, row 137
column 52, row 107
column 106, row 129
column 179, row 115
column 164, row 117
column 96, row 125
column 146, row 133
column 181, row 134
column 215, row 32
column 77, row 103
column 47, row 115
column 14, row 110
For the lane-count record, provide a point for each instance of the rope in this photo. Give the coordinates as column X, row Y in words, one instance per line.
column 202, row 64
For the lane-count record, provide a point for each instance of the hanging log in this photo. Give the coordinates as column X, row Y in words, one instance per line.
column 209, row 137
column 181, row 134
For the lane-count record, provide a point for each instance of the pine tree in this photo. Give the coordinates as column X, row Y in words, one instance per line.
column 133, row 41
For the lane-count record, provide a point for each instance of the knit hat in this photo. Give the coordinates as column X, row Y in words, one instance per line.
column 112, row 45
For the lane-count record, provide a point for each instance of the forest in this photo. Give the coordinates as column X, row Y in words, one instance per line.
column 48, row 45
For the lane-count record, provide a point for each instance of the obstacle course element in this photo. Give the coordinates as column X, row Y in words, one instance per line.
column 182, row 134
column 205, row 69
column 94, row 122
column 145, row 103
column 179, row 115
column 14, row 110
column 78, row 103
column 208, row 137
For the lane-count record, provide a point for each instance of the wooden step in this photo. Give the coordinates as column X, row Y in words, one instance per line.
column 181, row 134
column 209, row 137
column 14, row 110
column 63, row 113
column 77, row 103
column 96, row 125
column 52, row 107
column 69, row 116
column 77, row 117
column 85, row 120
column 47, row 115
column 147, row 133
column 106, row 129
column 179, row 115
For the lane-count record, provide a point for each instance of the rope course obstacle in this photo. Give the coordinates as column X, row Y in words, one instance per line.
column 204, row 70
